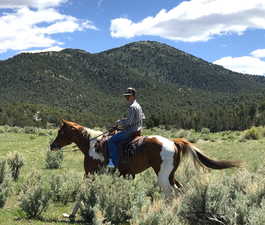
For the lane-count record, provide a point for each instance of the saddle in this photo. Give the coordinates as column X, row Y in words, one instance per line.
column 127, row 149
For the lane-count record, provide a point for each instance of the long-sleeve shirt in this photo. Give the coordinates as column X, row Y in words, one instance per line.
column 134, row 120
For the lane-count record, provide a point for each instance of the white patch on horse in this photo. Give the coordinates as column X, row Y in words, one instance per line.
column 91, row 133
column 93, row 154
column 167, row 156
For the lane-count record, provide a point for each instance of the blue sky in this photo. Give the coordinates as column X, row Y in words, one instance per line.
column 230, row 33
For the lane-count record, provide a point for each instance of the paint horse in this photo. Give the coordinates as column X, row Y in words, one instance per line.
column 159, row 153
column 70, row 132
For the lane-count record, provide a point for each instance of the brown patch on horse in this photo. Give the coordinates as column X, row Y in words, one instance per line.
column 200, row 158
column 73, row 125
column 177, row 157
column 147, row 155
column 155, row 150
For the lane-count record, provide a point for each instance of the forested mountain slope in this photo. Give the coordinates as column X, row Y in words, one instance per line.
column 174, row 88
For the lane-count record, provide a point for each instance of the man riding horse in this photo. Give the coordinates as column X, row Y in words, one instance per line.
column 128, row 126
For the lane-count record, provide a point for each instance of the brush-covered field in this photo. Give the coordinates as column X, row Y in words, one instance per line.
column 46, row 186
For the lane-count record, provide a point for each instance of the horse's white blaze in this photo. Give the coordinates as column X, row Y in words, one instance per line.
column 167, row 156
column 93, row 154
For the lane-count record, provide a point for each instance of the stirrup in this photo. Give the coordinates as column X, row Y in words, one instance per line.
column 110, row 164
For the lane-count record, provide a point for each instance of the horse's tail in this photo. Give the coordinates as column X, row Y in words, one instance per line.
column 199, row 158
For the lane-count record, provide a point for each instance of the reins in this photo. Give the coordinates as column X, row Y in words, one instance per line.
column 112, row 129
column 94, row 138
column 73, row 150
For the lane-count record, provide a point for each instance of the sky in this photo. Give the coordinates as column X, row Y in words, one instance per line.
column 230, row 33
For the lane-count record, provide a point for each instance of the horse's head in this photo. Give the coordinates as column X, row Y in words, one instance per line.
column 67, row 134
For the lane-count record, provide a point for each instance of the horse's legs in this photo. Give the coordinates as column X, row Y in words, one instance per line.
column 79, row 202
column 177, row 186
column 165, row 173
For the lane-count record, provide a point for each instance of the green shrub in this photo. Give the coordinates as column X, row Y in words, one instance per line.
column 42, row 132
column 257, row 214
column 224, row 201
column 4, row 182
column 31, row 180
column 193, row 138
column 205, row 130
column 183, row 133
column 2, row 171
column 15, row 130
column 115, row 198
column 31, row 130
column 51, row 132
column 3, row 195
column 159, row 213
column 15, row 161
column 252, row 134
column 2, row 130
column 6, row 128
column 35, row 201
column 64, row 188
column 54, row 159
column 205, row 205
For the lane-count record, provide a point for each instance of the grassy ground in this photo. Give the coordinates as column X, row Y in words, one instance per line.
column 34, row 150
column 229, row 145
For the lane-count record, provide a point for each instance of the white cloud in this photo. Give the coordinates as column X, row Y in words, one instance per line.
column 244, row 64
column 51, row 49
column 25, row 28
column 11, row 4
column 259, row 53
column 196, row 20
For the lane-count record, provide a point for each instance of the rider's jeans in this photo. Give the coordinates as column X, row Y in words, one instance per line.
column 114, row 142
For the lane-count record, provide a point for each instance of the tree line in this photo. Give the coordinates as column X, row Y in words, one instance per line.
column 216, row 118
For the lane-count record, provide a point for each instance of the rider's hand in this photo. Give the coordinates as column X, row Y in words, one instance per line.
column 115, row 127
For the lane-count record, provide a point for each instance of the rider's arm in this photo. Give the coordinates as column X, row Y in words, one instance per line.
column 129, row 121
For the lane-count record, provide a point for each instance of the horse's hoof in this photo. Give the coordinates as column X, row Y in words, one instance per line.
column 71, row 217
column 65, row 215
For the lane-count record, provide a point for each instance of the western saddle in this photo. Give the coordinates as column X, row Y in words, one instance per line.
column 127, row 149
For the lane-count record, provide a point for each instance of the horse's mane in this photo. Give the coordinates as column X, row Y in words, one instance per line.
column 86, row 132
column 90, row 132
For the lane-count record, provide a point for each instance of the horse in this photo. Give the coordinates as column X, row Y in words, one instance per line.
column 163, row 155
column 71, row 132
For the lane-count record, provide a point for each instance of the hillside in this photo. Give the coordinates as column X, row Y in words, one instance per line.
column 175, row 88
column 167, row 64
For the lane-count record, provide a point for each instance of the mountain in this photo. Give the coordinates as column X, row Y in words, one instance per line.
column 171, row 65
column 174, row 88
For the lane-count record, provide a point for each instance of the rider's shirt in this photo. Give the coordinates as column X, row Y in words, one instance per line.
column 134, row 121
